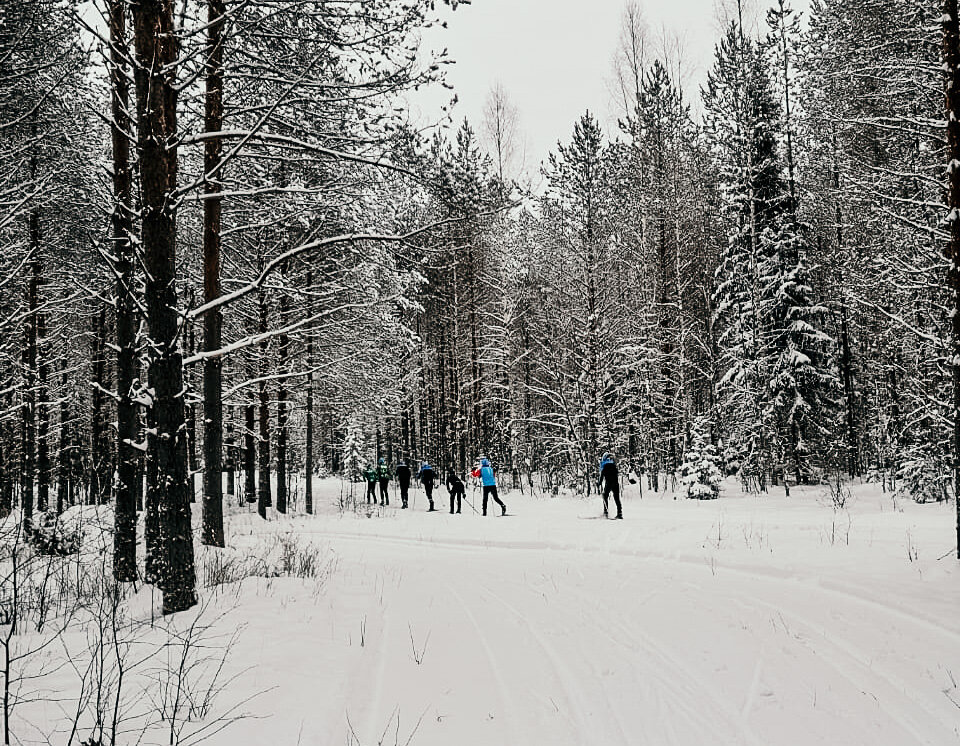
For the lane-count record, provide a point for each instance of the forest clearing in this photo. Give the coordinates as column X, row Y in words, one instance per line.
column 331, row 335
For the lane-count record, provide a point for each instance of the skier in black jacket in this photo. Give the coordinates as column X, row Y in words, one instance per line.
column 403, row 479
column 610, row 482
column 426, row 476
column 456, row 489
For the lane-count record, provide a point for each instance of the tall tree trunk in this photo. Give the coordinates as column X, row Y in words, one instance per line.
column 43, row 417
column 230, row 466
column 212, row 533
column 6, row 491
column 63, row 451
column 153, row 551
column 284, row 353
column 308, row 454
column 951, row 60
column 193, row 461
column 157, row 51
column 140, row 462
column 125, row 519
column 29, row 437
column 264, row 493
column 99, row 483
column 250, row 453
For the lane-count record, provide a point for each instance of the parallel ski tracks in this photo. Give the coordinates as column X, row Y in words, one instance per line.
column 758, row 571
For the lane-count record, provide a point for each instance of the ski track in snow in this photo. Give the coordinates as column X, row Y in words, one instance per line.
column 553, row 630
column 893, row 697
column 637, row 688
column 505, row 693
column 565, row 678
column 699, row 705
column 829, row 588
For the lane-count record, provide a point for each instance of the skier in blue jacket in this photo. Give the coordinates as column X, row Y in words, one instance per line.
column 488, row 479
column 426, row 475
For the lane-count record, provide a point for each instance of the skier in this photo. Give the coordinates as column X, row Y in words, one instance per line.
column 456, row 489
column 426, row 477
column 403, row 479
column 609, row 480
column 370, row 474
column 488, row 479
column 384, row 477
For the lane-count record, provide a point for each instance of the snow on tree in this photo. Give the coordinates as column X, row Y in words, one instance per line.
column 700, row 473
column 356, row 454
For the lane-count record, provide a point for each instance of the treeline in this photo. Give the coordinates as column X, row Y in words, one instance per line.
column 766, row 281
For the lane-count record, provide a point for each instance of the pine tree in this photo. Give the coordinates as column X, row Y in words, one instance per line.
column 700, row 473
column 740, row 126
column 354, row 450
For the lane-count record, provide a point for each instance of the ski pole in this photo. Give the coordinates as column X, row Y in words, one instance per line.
column 470, row 503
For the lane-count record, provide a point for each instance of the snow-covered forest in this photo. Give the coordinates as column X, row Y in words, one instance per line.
column 235, row 273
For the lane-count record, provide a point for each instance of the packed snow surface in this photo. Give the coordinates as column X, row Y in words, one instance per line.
column 750, row 619
column 746, row 620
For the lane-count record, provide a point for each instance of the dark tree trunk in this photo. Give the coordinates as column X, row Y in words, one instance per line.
column 75, row 492
column 153, row 552
column 63, row 457
column 125, row 533
column 28, row 464
column 193, row 462
column 284, row 353
column 6, row 487
column 99, row 482
column 250, row 453
column 141, row 463
column 212, row 533
column 43, row 418
column 308, row 454
column 951, row 60
column 230, row 464
column 264, row 493
column 157, row 50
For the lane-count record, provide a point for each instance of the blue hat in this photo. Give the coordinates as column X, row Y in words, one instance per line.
column 484, row 462
column 383, row 460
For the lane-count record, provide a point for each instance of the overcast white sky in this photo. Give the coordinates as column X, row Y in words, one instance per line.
column 554, row 58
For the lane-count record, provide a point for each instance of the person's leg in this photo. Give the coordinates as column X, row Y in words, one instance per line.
column 429, row 491
column 616, row 499
column 384, row 491
column 486, row 496
column 403, row 495
column 371, row 492
column 452, row 493
column 460, row 492
column 503, row 506
column 606, row 500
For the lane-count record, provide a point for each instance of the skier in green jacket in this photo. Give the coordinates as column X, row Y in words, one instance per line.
column 370, row 474
column 384, row 476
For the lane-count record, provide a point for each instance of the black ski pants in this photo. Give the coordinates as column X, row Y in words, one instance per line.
column 457, row 494
column 384, row 491
column 490, row 490
column 612, row 489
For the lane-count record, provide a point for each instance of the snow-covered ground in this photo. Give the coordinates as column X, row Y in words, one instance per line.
column 746, row 620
